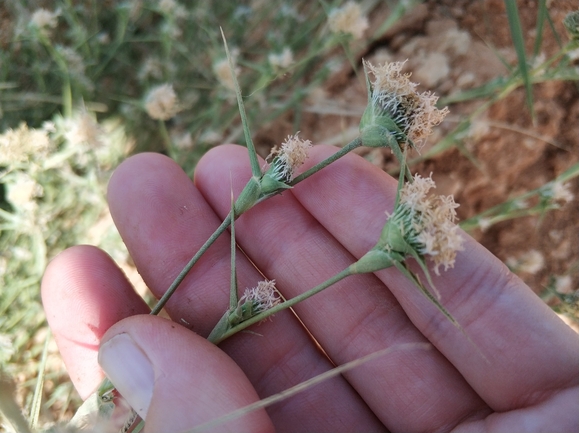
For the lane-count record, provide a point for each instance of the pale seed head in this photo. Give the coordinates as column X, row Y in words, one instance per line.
column 394, row 95
column 262, row 297
column 427, row 222
column 161, row 102
column 285, row 160
column 348, row 19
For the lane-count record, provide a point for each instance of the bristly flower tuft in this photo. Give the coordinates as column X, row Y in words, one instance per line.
column 429, row 222
column 571, row 23
column 161, row 102
column 348, row 19
column 285, row 160
column 422, row 226
column 281, row 60
column 261, row 298
column 44, row 21
column 394, row 97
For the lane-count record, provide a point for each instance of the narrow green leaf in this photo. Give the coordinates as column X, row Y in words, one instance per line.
column 255, row 169
column 37, row 397
column 233, row 297
column 541, row 15
column 519, row 43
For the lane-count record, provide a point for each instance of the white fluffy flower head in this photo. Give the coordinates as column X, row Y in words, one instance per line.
column 223, row 72
column 282, row 60
column 348, row 19
column 285, row 160
column 428, row 222
column 394, row 95
column 44, row 20
column 262, row 297
column 161, row 102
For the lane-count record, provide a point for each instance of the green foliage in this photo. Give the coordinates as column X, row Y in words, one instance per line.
column 112, row 54
column 54, row 180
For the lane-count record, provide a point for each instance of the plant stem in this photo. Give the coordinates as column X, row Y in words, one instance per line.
column 233, row 297
column 161, row 303
column 255, row 168
column 357, row 142
column 227, row 221
column 216, row 339
column 166, row 139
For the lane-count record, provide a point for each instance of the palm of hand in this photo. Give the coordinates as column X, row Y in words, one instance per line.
column 528, row 376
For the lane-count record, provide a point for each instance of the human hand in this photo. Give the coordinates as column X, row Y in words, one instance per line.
column 520, row 373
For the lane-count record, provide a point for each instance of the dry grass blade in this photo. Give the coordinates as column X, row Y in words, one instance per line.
column 519, row 44
column 37, row 398
column 210, row 425
column 541, row 16
column 255, row 169
column 8, row 406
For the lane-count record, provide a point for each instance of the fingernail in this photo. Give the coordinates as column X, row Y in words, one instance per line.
column 130, row 371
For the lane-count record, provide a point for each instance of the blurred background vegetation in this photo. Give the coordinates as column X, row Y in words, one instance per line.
column 78, row 84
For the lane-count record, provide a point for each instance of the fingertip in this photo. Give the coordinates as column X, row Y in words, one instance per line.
column 190, row 381
column 219, row 159
column 129, row 175
column 83, row 294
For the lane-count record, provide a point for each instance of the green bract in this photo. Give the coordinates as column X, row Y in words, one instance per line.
column 571, row 23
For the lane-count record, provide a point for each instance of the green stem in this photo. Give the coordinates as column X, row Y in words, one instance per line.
column 255, row 168
column 161, row 303
column 166, row 139
column 216, row 339
column 233, row 297
column 227, row 221
column 357, row 142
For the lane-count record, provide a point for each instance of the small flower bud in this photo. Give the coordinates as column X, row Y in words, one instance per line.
column 374, row 260
column 349, row 20
column 293, row 153
column 284, row 161
column 248, row 196
column 161, row 102
column 571, row 23
column 254, row 301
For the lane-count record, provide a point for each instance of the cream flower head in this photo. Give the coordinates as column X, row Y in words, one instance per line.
column 285, row 160
column 348, row 19
column 223, row 72
column 427, row 223
column 282, row 60
column 44, row 20
column 262, row 297
column 161, row 102
column 394, row 96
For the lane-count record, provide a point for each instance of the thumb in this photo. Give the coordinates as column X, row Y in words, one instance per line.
column 175, row 379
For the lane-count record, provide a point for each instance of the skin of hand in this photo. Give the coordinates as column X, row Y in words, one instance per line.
column 519, row 372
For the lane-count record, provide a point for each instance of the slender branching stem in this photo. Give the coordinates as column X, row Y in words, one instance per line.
column 233, row 297
column 227, row 221
column 161, row 303
column 255, row 168
column 357, row 142
column 216, row 339
column 166, row 139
